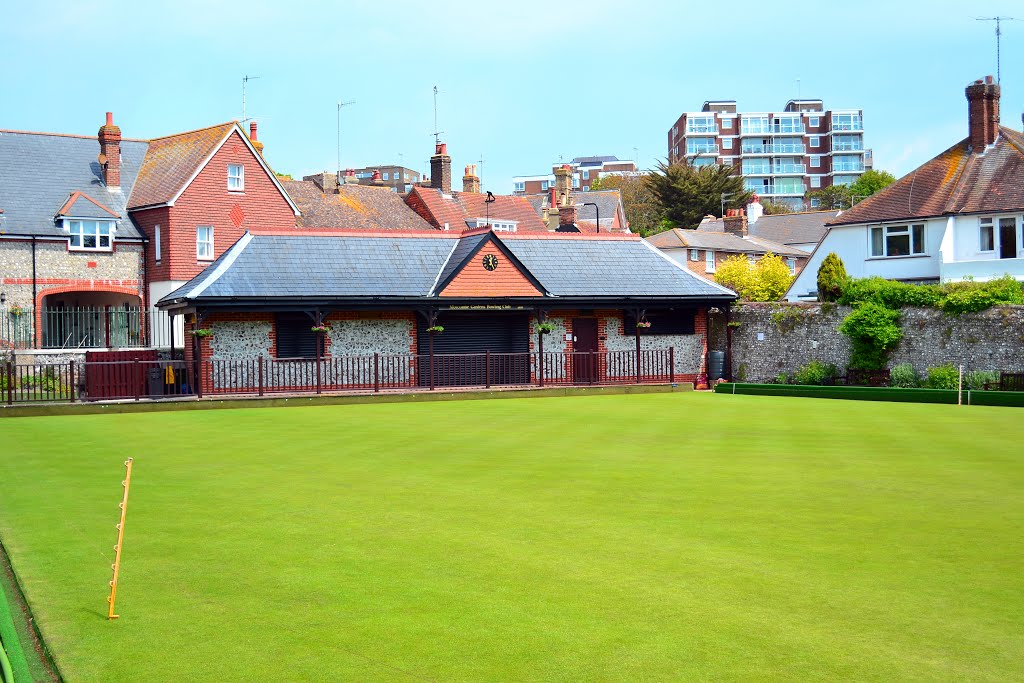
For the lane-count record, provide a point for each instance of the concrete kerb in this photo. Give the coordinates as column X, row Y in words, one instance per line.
column 294, row 400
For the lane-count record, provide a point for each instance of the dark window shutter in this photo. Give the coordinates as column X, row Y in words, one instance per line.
column 678, row 321
column 295, row 338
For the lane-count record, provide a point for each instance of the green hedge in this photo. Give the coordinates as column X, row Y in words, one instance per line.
column 981, row 398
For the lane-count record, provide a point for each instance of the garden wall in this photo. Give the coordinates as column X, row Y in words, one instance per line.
column 772, row 338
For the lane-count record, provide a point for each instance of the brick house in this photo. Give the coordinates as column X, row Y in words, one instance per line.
column 95, row 229
column 701, row 251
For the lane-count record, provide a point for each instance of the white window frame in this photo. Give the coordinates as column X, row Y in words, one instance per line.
column 888, row 231
column 989, row 223
column 815, row 181
column 204, row 247
column 236, row 178
column 814, row 121
column 81, row 230
column 386, row 176
column 695, row 254
column 520, row 187
column 726, row 143
column 709, row 261
column 545, row 184
column 791, row 262
column 815, row 141
column 815, row 161
column 727, row 122
column 156, row 243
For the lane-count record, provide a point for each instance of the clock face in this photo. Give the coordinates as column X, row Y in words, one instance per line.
column 490, row 261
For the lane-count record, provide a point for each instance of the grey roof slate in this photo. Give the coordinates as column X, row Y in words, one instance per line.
column 269, row 267
column 40, row 171
column 805, row 227
column 722, row 241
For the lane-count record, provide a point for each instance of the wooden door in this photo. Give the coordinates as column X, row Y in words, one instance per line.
column 584, row 346
column 1007, row 238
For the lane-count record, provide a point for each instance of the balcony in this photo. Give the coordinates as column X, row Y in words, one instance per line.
column 848, row 168
column 797, row 129
column 773, row 149
column 702, row 130
column 982, row 271
column 786, row 169
column 797, row 189
column 764, row 169
column 847, row 127
column 847, row 146
column 697, row 150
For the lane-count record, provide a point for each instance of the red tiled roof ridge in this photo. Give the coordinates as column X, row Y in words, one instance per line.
column 194, row 130
column 64, row 135
column 74, row 197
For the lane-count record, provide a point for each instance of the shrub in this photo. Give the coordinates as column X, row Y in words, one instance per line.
column 943, row 377
column 831, row 278
column 904, row 376
column 971, row 297
column 874, row 331
column 781, row 378
column 889, row 293
column 975, row 380
column 766, row 280
column 816, row 373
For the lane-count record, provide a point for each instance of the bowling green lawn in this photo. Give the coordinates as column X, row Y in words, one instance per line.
column 657, row 537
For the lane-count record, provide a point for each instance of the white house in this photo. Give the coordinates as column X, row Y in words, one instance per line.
column 959, row 216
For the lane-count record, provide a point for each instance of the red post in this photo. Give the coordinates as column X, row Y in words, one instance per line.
column 261, row 375
column 431, row 360
column 376, row 372
column 139, row 379
column 487, row 359
column 637, row 335
column 672, row 365
column 71, row 379
column 319, row 355
column 10, row 383
column 197, row 342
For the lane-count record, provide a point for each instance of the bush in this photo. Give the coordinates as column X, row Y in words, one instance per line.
column 831, row 278
column 889, row 293
column 765, row 280
column 904, row 376
column 816, row 373
column 874, row 331
column 971, row 297
column 943, row 377
column 975, row 380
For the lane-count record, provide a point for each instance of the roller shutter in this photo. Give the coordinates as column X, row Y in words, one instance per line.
column 464, row 334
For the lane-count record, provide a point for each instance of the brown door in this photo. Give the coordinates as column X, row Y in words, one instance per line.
column 584, row 346
column 1007, row 238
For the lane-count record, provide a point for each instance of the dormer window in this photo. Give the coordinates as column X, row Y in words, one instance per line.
column 236, row 178
column 90, row 235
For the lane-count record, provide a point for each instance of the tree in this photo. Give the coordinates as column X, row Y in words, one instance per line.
column 832, row 197
column 774, row 208
column 641, row 207
column 765, row 280
column 831, row 278
column 869, row 183
column 688, row 193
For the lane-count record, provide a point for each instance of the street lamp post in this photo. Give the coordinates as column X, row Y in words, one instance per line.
column 598, row 210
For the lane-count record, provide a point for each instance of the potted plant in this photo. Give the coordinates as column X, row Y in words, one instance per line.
column 435, row 329
column 643, row 325
column 15, row 310
column 545, row 327
column 323, row 329
column 202, row 332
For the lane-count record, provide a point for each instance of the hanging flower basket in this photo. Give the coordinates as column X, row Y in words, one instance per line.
column 545, row 328
column 202, row 332
column 643, row 325
column 15, row 311
column 323, row 329
column 435, row 329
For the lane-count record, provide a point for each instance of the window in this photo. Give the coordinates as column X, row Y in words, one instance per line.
column 846, row 122
column 701, row 146
column 520, row 187
column 727, row 143
column 702, row 161
column 575, row 180
column 897, row 240
column 90, row 235
column 791, row 262
column 815, row 203
column 204, row 243
column 236, row 177
column 726, row 123
column 544, row 184
column 295, row 337
column 662, row 322
column 694, row 254
column 701, row 124
column 815, row 181
column 988, row 241
column 815, row 141
column 815, row 161
column 814, row 121
column 586, row 175
column 709, row 261
column 386, row 176
column 156, row 242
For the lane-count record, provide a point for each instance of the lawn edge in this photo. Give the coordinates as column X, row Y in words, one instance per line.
column 17, row 609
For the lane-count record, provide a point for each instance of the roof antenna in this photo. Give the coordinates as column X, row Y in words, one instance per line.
column 480, row 174
column 245, row 80
column 999, row 33
column 437, row 133
column 340, row 105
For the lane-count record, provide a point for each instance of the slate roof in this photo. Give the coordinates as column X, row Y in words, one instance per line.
column 171, row 161
column 379, row 267
column 805, row 227
column 957, row 181
column 459, row 207
column 721, row 241
column 609, row 202
column 354, row 207
column 40, row 172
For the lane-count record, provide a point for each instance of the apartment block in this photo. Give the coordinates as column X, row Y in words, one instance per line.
column 781, row 155
column 399, row 178
column 584, row 171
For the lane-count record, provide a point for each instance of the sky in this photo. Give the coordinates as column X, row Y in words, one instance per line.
column 522, row 85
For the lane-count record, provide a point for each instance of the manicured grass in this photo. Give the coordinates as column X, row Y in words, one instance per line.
column 623, row 538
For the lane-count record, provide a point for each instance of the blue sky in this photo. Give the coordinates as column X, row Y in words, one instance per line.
column 521, row 83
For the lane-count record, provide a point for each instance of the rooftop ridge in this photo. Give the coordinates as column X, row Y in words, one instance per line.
column 63, row 135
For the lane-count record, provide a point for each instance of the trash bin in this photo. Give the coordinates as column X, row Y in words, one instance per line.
column 716, row 365
column 155, row 382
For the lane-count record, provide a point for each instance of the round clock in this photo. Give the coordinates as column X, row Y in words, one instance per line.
column 490, row 261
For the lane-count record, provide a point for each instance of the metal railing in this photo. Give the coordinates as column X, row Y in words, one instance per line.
column 847, row 147
column 158, row 379
column 776, row 189
column 847, row 167
column 701, row 149
column 86, row 328
column 773, row 149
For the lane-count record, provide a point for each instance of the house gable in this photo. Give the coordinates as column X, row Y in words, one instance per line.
column 471, row 278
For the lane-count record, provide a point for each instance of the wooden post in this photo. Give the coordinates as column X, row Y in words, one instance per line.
column 431, row 345
column 261, row 375
column 319, row 356
column 671, row 365
column 540, row 348
column 487, row 360
column 376, row 371
column 197, row 342
column 71, row 379
column 140, row 379
column 120, row 540
column 637, row 335
column 10, row 383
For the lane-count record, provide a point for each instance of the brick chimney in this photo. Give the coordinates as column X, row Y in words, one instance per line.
column 736, row 222
column 563, row 184
column 566, row 216
column 982, row 113
column 110, row 153
column 253, row 139
column 471, row 181
column 441, row 169
column 350, row 177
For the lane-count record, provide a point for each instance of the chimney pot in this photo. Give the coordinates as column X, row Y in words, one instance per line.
column 110, row 118
column 252, row 131
column 441, row 169
column 736, row 222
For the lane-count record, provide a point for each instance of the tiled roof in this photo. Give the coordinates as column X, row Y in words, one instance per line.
column 354, row 207
column 459, row 207
column 805, row 227
column 268, row 267
column 171, row 161
column 609, row 202
column 959, row 180
column 721, row 241
column 40, row 172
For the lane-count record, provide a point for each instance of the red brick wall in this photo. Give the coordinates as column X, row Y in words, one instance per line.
column 207, row 201
column 475, row 280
